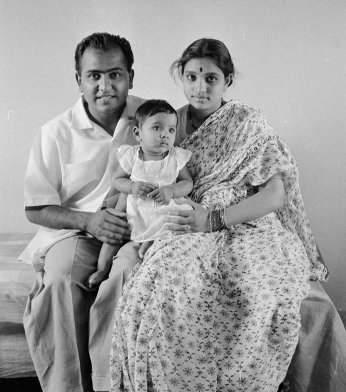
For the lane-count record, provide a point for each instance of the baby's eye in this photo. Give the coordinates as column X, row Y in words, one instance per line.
column 156, row 128
column 172, row 130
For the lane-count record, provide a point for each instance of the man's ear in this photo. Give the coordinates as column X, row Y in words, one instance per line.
column 131, row 76
column 78, row 79
column 137, row 134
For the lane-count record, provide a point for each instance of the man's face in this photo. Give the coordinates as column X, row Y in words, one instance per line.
column 104, row 81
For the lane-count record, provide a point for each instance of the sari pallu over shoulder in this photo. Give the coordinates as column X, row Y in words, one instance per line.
column 237, row 147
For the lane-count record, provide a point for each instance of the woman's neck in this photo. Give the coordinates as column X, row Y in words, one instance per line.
column 196, row 117
column 199, row 115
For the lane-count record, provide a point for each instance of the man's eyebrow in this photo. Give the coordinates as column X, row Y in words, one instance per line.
column 105, row 71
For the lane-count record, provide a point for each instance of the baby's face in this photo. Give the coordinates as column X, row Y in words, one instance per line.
column 157, row 133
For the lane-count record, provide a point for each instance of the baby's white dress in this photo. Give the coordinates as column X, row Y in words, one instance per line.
column 146, row 217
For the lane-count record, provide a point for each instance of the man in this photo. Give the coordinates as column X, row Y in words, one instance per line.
column 68, row 326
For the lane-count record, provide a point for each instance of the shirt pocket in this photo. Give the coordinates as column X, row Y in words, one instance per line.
column 81, row 177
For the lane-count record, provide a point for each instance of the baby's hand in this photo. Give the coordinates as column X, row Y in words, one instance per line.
column 163, row 194
column 142, row 189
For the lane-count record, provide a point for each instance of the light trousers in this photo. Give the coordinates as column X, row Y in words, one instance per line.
column 69, row 327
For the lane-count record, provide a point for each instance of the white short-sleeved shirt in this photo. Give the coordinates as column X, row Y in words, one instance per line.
column 69, row 166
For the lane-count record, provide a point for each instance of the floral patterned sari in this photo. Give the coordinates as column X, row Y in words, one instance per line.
column 220, row 311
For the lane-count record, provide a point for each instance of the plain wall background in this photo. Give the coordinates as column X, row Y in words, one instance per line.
column 291, row 63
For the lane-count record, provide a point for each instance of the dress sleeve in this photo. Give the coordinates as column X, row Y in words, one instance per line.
column 43, row 177
column 183, row 156
column 126, row 156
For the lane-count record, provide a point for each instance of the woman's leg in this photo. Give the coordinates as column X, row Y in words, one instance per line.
column 266, row 275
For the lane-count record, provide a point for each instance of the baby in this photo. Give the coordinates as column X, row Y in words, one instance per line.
column 151, row 176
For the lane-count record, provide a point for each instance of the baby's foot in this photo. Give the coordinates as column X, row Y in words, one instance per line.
column 143, row 248
column 96, row 278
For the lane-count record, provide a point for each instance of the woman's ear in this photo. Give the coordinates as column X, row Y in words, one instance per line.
column 137, row 133
column 228, row 81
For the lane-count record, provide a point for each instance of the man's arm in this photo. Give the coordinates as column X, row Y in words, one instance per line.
column 108, row 225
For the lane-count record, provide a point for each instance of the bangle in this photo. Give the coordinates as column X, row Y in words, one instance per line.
column 217, row 220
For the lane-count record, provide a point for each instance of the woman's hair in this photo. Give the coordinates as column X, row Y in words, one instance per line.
column 105, row 42
column 150, row 108
column 211, row 48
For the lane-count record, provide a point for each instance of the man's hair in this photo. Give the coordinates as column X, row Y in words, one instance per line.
column 150, row 108
column 105, row 42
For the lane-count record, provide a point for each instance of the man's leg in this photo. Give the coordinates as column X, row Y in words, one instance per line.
column 56, row 318
column 102, row 314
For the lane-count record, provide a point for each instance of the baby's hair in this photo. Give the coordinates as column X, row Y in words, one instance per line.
column 150, row 108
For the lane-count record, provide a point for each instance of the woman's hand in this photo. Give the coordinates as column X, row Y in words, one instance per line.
column 189, row 221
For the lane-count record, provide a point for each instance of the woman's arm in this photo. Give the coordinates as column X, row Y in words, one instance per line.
column 269, row 198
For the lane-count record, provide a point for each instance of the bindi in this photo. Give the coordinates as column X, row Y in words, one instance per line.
column 200, row 69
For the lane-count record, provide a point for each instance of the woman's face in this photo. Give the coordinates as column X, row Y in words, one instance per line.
column 204, row 84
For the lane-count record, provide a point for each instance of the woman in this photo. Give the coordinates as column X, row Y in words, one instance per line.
column 217, row 309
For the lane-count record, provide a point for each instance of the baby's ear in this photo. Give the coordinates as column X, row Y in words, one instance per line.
column 136, row 134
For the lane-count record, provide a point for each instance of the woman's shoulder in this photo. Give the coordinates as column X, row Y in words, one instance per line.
column 183, row 110
column 240, row 109
column 182, row 119
column 182, row 114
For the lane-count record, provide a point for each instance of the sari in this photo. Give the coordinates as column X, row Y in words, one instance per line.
column 221, row 311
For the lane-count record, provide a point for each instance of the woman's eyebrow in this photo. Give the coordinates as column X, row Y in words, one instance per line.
column 211, row 73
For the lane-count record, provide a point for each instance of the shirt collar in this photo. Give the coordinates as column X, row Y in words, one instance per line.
column 81, row 120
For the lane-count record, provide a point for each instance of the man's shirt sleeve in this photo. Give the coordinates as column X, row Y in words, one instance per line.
column 43, row 175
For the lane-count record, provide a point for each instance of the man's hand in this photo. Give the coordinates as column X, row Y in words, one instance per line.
column 109, row 226
column 162, row 195
column 142, row 189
